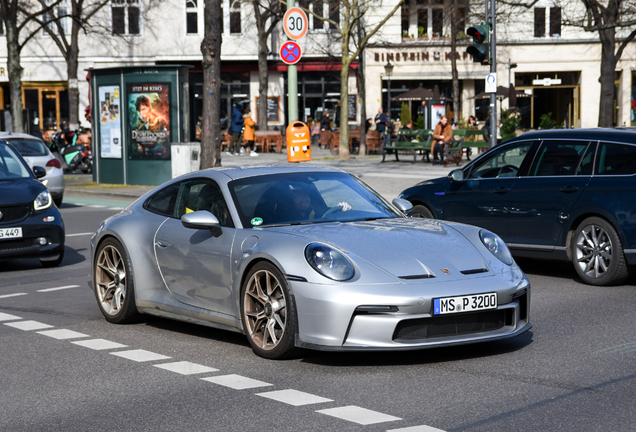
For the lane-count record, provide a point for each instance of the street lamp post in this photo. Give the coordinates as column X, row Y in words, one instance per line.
column 388, row 70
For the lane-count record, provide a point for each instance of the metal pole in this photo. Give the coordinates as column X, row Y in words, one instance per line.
column 388, row 104
column 493, row 69
column 292, row 83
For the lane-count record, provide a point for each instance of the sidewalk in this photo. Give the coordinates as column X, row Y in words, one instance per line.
column 388, row 178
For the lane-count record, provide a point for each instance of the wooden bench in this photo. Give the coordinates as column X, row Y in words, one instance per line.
column 465, row 143
column 418, row 140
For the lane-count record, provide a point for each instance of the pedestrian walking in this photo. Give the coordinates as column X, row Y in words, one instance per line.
column 314, row 133
column 236, row 129
column 381, row 122
column 325, row 130
column 249, row 133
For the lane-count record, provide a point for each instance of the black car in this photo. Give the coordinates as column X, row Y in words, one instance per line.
column 30, row 225
column 555, row 194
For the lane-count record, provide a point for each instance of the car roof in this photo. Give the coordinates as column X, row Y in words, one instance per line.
column 238, row 172
column 9, row 135
column 623, row 135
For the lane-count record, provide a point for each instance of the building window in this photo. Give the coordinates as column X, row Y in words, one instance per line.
column 192, row 17
column 405, row 19
column 555, row 21
column 57, row 14
column 422, row 22
column 235, row 16
column 126, row 17
column 334, row 13
column 426, row 17
column 438, row 22
column 539, row 22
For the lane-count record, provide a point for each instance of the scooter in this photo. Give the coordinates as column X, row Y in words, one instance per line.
column 72, row 155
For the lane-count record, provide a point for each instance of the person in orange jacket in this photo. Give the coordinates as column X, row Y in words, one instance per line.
column 248, row 134
column 442, row 135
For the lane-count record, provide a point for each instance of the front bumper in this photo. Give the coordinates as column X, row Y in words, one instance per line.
column 34, row 228
column 338, row 318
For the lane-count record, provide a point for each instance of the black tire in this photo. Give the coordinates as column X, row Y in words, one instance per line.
column 597, row 253
column 58, row 201
column 113, row 283
column 53, row 263
column 260, row 310
column 420, row 211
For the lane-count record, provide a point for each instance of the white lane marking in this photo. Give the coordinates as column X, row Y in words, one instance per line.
column 140, row 355
column 237, row 382
column 115, row 208
column 185, row 368
column 59, row 288
column 28, row 325
column 422, row 428
column 96, row 206
column 12, row 295
column 358, row 415
column 7, row 317
column 294, row 397
column 62, row 334
column 79, row 234
column 99, row 344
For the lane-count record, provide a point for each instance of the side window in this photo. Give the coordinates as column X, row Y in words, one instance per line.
column 163, row 202
column 502, row 163
column 558, row 158
column 587, row 163
column 203, row 194
column 616, row 159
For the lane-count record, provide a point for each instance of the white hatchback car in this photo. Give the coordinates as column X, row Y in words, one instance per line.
column 36, row 153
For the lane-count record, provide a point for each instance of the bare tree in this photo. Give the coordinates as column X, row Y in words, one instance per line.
column 267, row 13
column 211, row 51
column 349, row 13
column 81, row 14
column 19, row 17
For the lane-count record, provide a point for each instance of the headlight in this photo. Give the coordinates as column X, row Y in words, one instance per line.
column 43, row 201
column 496, row 246
column 329, row 262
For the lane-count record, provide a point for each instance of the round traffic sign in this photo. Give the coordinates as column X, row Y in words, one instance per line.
column 295, row 23
column 290, row 52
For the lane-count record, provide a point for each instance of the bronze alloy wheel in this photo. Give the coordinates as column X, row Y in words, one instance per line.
column 268, row 314
column 598, row 254
column 113, row 285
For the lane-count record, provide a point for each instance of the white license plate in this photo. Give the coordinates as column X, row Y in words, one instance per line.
column 10, row 233
column 468, row 303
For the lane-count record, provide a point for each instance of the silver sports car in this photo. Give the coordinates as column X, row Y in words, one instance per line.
column 305, row 257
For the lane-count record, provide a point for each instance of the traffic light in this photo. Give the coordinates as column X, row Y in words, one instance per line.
column 480, row 49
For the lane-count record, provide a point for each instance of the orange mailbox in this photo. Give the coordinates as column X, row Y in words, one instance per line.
column 298, row 148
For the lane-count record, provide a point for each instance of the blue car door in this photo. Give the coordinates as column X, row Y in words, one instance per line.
column 540, row 203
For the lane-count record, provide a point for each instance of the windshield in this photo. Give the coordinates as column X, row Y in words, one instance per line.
column 297, row 198
column 28, row 147
column 11, row 165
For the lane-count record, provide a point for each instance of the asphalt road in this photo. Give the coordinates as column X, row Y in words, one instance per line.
column 574, row 371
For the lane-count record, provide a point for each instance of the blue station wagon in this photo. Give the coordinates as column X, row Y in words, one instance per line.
column 554, row 194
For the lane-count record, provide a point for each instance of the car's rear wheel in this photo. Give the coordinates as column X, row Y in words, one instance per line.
column 268, row 313
column 421, row 212
column 113, row 283
column 597, row 253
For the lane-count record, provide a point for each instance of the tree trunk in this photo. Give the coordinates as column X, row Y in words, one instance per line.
column 608, row 75
column 263, row 72
column 72, row 64
column 211, row 51
column 362, row 94
column 343, row 148
column 15, row 77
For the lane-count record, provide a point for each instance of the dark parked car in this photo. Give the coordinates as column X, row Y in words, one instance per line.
column 30, row 225
column 555, row 194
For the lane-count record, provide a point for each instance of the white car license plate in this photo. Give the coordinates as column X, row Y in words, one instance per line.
column 10, row 233
column 468, row 303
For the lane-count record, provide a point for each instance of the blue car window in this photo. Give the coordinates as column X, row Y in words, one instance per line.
column 558, row 158
column 11, row 165
column 503, row 162
column 616, row 159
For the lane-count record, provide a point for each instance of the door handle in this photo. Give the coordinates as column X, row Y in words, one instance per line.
column 569, row 189
column 502, row 190
column 162, row 244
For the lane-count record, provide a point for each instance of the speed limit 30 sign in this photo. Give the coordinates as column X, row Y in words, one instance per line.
column 295, row 23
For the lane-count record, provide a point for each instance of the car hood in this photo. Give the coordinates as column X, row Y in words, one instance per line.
column 19, row 191
column 408, row 249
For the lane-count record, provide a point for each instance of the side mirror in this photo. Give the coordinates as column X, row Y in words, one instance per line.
column 200, row 220
column 39, row 171
column 456, row 175
column 403, row 205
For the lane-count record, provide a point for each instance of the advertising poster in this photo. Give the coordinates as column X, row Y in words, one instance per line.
column 437, row 111
column 149, row 114
column 109, row 124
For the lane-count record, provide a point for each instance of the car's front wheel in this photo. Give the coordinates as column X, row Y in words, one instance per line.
column 597, row 253
column 421, row 212
column 113, row 283
column 268, row 313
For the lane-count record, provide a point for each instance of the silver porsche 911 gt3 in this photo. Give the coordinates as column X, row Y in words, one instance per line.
column 305, row 257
